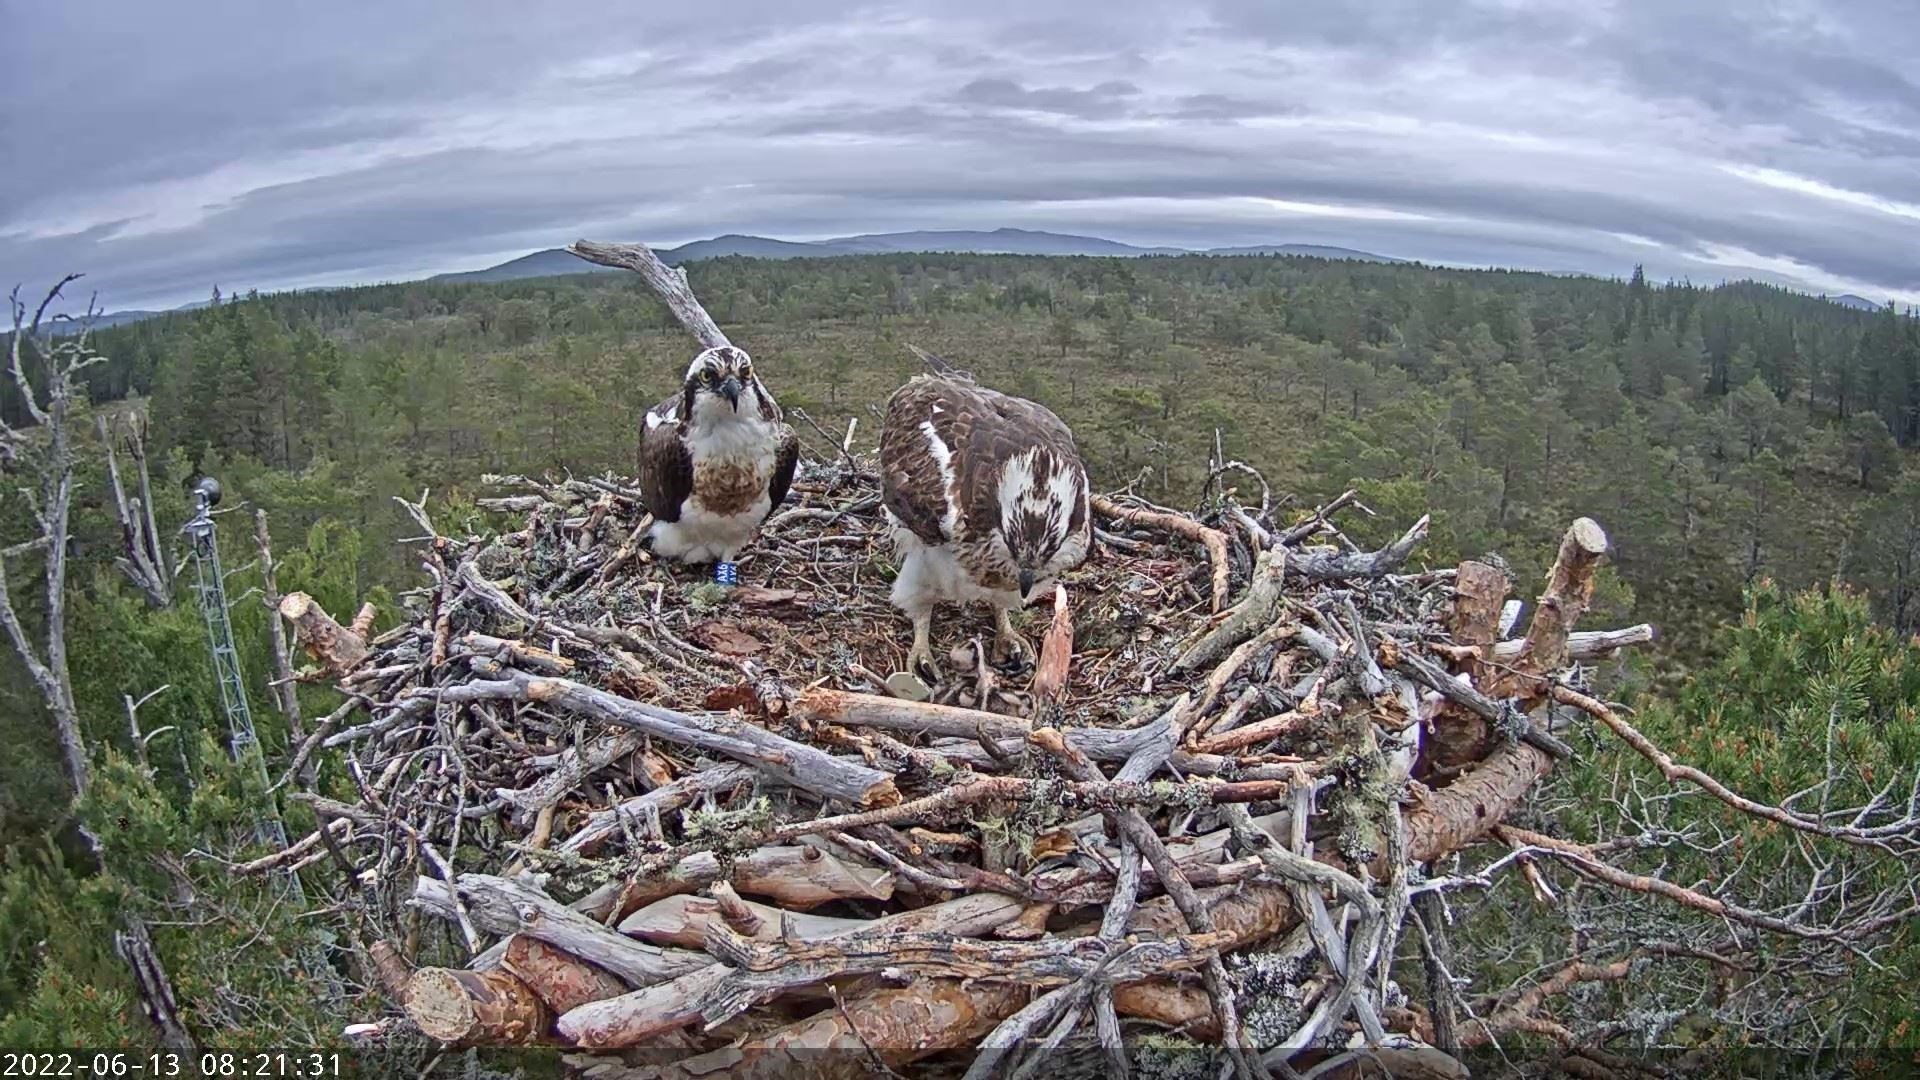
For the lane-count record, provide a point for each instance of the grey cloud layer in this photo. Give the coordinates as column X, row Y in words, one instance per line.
column 166, row 149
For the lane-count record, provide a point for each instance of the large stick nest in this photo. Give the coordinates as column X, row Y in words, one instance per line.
column 1207, row 811
column 649, row 811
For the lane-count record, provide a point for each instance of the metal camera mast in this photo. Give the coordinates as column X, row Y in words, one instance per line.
column 211, row 587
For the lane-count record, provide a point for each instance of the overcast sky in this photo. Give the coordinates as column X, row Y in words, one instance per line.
column 167, row 148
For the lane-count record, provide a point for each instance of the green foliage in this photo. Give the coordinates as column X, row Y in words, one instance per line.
column 1812, row 704
column 249, row 968
column 1802, row 679
column 62, row 984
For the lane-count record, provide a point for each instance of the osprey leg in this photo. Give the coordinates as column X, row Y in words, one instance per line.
column 1007, row 639
column 726, row 573
column 920, row 656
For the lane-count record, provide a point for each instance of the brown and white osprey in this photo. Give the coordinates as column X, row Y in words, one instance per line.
column 715, row 459
column 987, row 497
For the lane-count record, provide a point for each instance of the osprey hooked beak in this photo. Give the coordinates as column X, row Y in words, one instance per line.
column 1026, row 583
column 730, row 390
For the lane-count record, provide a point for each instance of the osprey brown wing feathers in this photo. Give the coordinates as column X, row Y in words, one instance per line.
column 785, row 461
column 666, row 466
column 981, row 429
column 914, row 489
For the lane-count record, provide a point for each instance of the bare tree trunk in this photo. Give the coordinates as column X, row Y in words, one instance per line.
column 141, row 559
column 156, row 990
column 282, row 688
column 137, row 447
column 61, row 362
column 668, row 281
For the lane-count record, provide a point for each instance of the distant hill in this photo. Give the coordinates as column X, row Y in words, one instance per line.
column 1860, row 303
column 752, row 247
column 549, row 263
column 111, row 318
column 1314, row 251
column 997, row 242
column 69, row 327
column 555, row 261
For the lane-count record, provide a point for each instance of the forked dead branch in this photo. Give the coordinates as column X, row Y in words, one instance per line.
column 622, row 808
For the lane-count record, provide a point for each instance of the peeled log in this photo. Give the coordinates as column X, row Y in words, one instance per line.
column 822, row 705
column 391, row 969
column 1463, row 811
column 455, row 1005
column 518, row 653
column 798, row 878
column 336, row 647
column 561, row 979
column 645, row 1014
column 902, row 1026
column 500, row 906
column 1479, row 589
column 1588, row 644
column 1184, row 1007
column 634, row 1018
column 683, row 920
column 1250, row 913
column 826, row 705
column 363, row 620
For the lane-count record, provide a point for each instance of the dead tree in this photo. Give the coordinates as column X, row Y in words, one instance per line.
column 135, row 947
column 143, row 558
column 282, row 687
column 45, row 370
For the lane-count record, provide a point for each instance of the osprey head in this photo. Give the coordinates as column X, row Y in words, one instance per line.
column 1042, row 508
column 717, row 380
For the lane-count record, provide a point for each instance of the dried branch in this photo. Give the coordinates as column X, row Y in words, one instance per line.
column 1213, row 540
column 668, row 282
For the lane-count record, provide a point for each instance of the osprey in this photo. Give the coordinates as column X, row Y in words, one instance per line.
column 715, row 459
column 987, row 498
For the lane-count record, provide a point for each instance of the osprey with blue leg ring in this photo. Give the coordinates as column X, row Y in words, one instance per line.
column 717, row 457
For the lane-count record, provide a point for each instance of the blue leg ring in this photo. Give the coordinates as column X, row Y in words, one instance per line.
column 726, row 573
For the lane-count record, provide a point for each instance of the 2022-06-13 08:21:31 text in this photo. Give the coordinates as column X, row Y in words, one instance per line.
column 171, row 1063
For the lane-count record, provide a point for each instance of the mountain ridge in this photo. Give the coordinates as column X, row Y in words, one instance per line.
column 558, row 262
column 1858, row 303
column 1003, row 241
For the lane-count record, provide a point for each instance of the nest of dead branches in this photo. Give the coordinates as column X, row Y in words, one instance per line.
column 593, row 802
column 640, row 812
